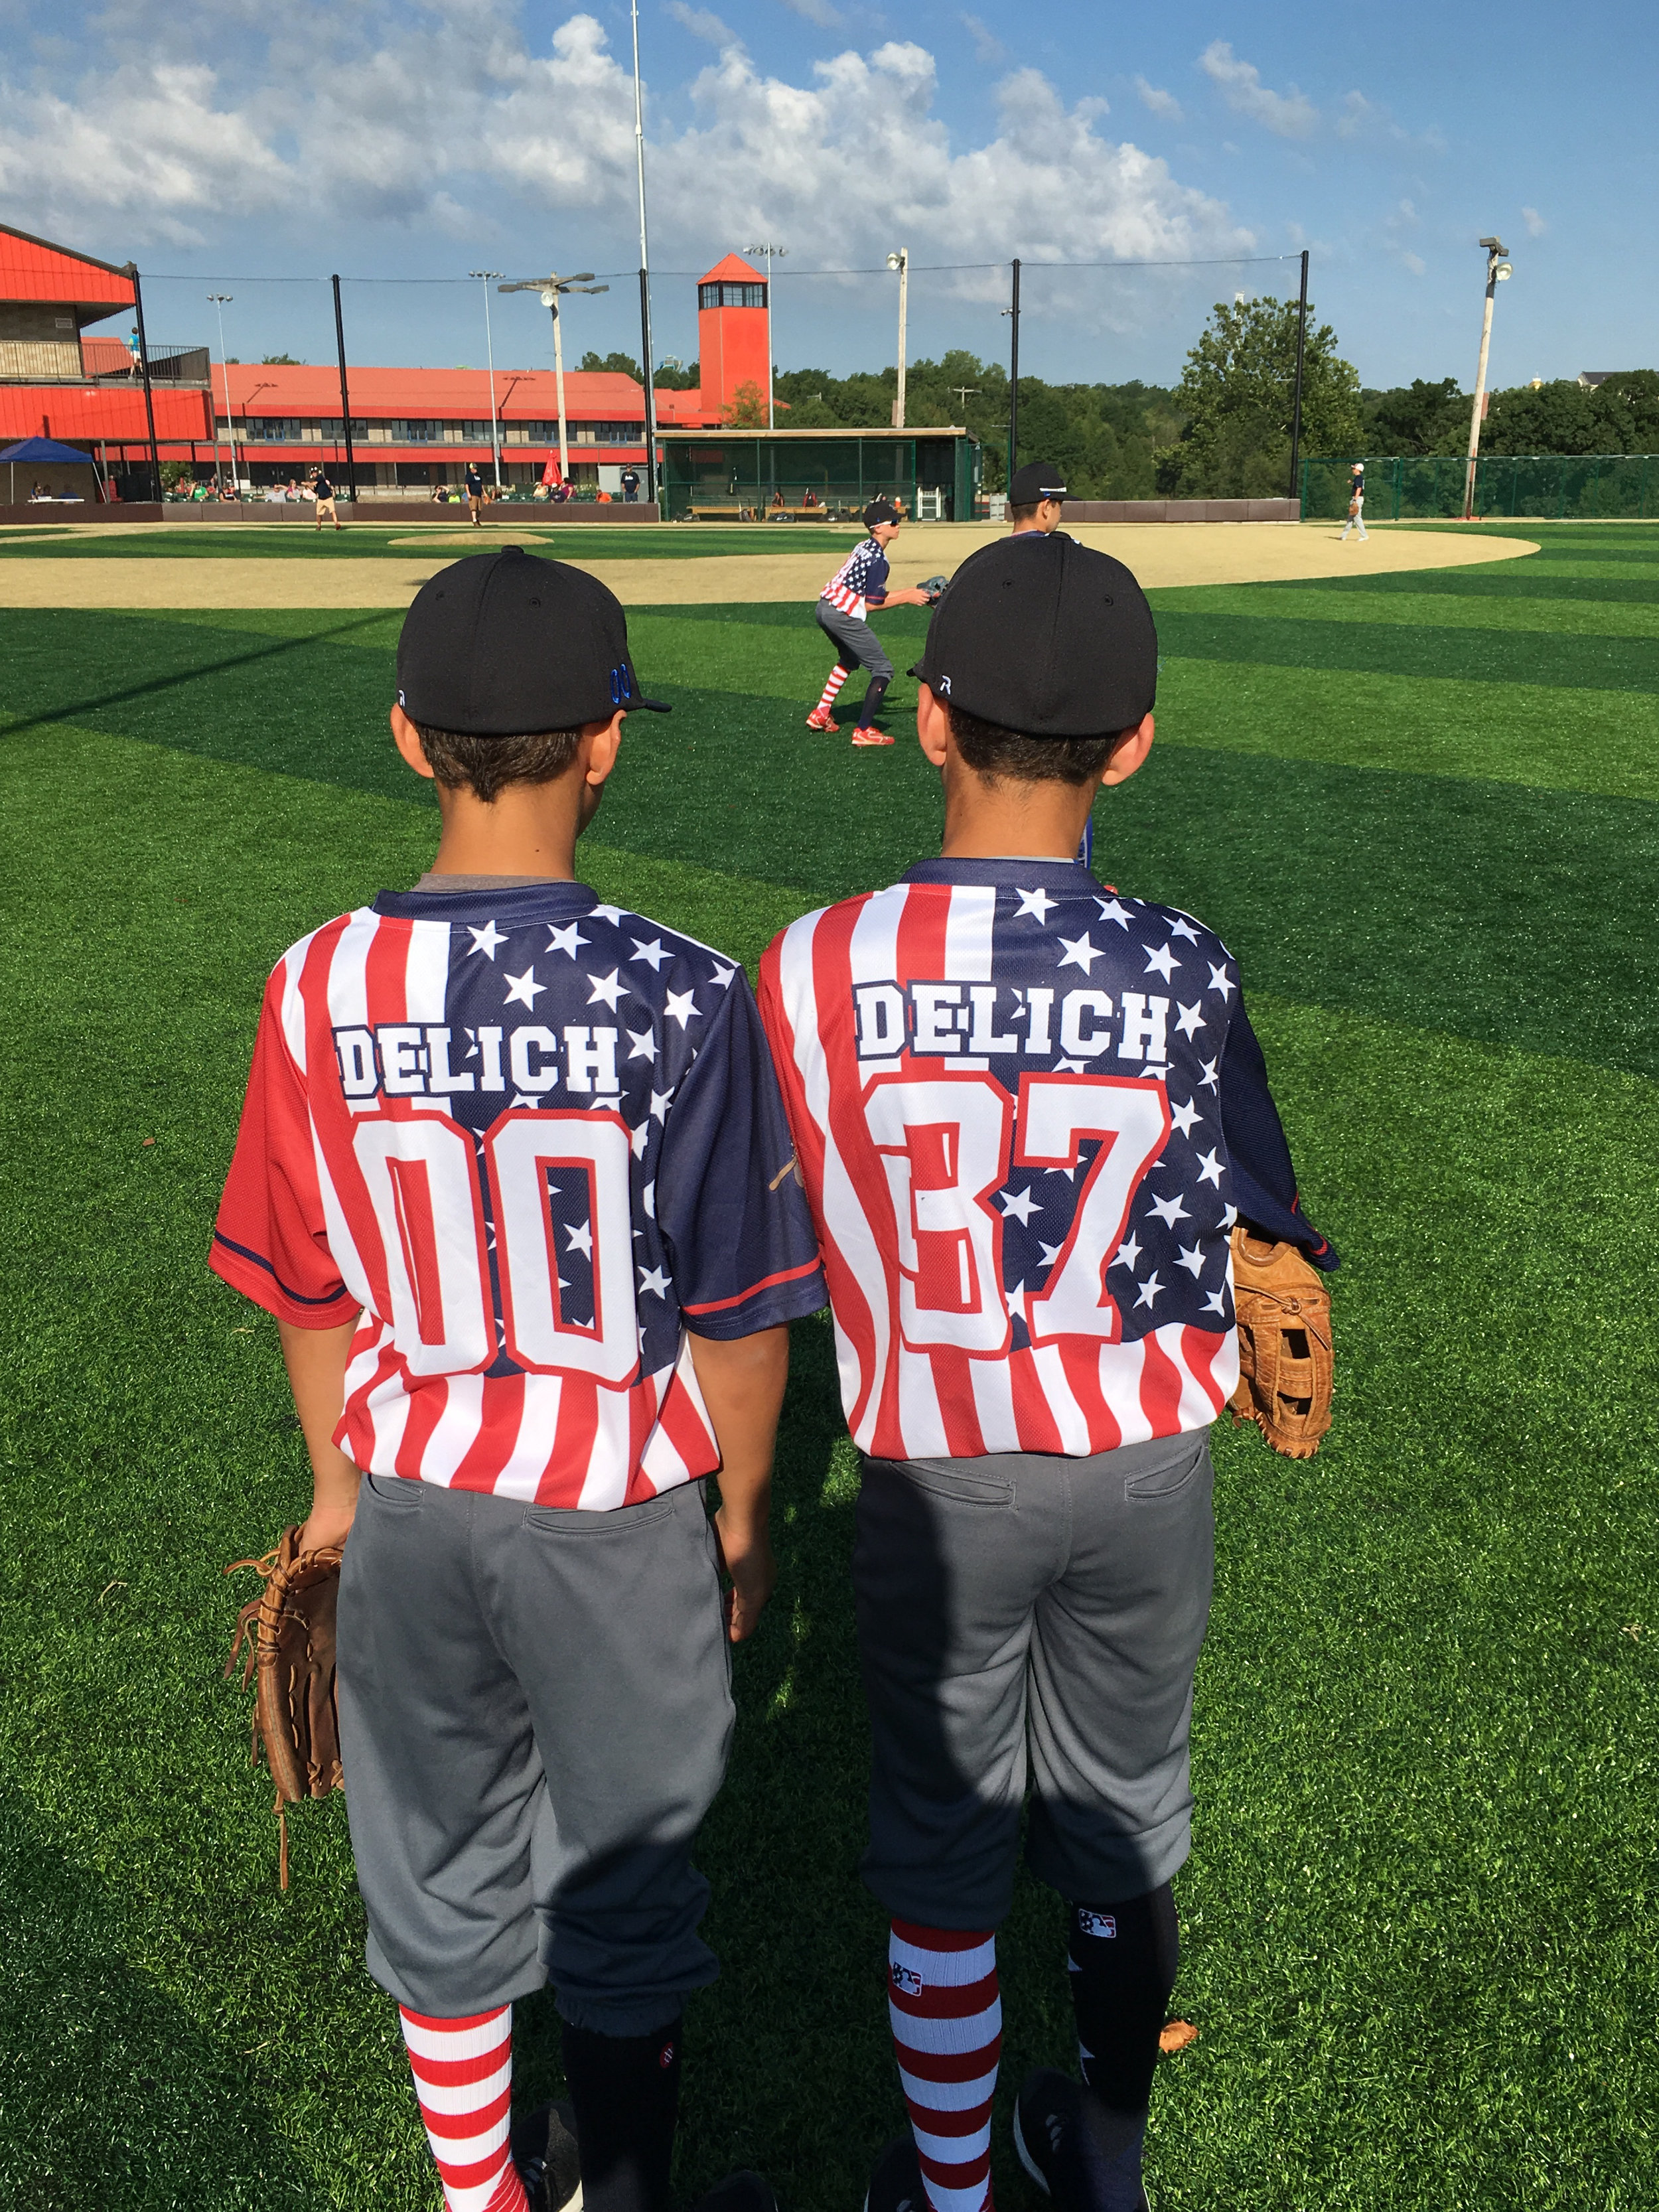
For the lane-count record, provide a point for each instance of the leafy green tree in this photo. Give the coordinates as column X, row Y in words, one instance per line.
column 1416, row 418
column 612, row 364
column 674, row 376
column 279, row 361
column 1236, row 392
column 746, row 409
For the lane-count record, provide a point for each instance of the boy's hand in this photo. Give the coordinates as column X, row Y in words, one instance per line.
column 746, row 1555
column 328, row 1524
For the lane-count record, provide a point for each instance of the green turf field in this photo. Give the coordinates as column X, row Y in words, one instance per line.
column 1419, row 1942
column 520, row 524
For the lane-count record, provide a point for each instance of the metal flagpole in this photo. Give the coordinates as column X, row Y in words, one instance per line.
column 143, row 363
column 646, row 372
column 901, row 261
column 486, row 277
column 1296, row 403
column 345, row 398
column 1496, row 268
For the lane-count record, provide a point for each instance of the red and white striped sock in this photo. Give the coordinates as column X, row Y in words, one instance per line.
column 838, row 676
column 464, row 2079
column 946, row 2014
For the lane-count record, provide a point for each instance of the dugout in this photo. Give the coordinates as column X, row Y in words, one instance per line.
column 753, row 476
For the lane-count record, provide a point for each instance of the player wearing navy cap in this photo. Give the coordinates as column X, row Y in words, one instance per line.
column 514, row 1178
column 1029, row 1110
column 1035, row 499
column 858, row 584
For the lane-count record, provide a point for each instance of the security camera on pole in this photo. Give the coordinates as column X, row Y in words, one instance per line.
column 1498, row 271
column 551, row 288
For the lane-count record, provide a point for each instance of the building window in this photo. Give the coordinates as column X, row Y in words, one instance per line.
column 272, row 431
column 731, row 295
column 417, row 434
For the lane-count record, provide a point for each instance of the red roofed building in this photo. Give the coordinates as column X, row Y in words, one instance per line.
column 57, row 382
column 733, row 333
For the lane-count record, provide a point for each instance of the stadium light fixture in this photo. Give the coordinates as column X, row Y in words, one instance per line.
column 486, row 277
column 901, row 261
column 1498, row 270
column 782, row 253
column 552, row 289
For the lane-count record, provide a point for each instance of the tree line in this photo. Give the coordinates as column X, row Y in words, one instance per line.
column 1224, row 431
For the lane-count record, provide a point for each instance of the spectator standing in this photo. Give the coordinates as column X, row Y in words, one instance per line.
column 475, row 493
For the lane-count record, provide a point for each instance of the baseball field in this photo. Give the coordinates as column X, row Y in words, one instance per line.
column 1415, row 784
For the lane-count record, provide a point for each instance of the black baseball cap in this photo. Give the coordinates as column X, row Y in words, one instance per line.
column 1037, row 480
column 1050, row 639
column 879, row 511
column 505, row 645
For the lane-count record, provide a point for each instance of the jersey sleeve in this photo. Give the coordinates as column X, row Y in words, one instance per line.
column 1258, row 1153
column 270, row 1241
column 741, row 1245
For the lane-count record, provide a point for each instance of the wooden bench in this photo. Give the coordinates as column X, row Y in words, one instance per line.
column 720, row 513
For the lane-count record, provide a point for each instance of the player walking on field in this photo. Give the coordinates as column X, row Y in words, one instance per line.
column 858, row 584
column 323, row 492
column 1028, row 1111
column 510, row 1177
column 1356, row 502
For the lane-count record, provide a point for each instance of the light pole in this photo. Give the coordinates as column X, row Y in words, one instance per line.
column 486, row 277
column 782, row 253
column 551, row 288
column 901, row 261
column 647, row 372
column 220, row 301
column 964, row 392
column 1497, row 268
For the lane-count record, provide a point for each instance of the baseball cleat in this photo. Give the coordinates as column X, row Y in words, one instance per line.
column 739, row 2192
column 895, row 2184
column 869, row 738
column 816, row 720
column 1056, row 2148
column 544, row 2151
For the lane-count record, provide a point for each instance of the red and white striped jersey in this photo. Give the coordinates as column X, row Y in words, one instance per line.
column 533, row 1138
column 1028, row 1112
column 860, row 581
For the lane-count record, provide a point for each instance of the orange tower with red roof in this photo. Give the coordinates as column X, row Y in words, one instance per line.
column 732, row 333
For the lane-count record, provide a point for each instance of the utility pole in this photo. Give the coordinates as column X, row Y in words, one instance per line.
column 1013, row 383
column 1296, row 402
column 781, row 251
column 345, row 396
column 647, row 372
column 552, row 289
column 1497, row 268
column 486, row 277
column 220, row 301
column 901, row 261
column 143, row 363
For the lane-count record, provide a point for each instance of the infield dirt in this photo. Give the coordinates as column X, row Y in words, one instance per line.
column 1160, row 554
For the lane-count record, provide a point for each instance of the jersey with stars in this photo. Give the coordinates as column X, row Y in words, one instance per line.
column 1028, row 1111
column 535, row 1139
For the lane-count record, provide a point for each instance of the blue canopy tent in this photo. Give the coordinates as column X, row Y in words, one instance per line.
column 43, row 452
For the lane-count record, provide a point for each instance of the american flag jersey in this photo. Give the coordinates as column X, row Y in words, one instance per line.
column 534, row 1137
column 1028, row 1111
column 861, row 579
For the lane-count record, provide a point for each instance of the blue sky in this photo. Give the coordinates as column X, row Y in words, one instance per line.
column 402, row 143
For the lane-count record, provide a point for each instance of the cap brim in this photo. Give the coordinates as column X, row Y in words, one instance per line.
column 651, row 705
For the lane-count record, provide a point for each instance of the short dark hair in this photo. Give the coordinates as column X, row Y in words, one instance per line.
column 485, row 766
column 1005, row 756
column 1024, row 513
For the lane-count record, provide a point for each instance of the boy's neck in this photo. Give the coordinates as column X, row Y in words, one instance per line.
column 529, row 831
column 984, row 822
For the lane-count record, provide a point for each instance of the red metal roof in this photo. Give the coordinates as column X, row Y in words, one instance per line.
column 34, row 269
column 114, row 411
column 521, row 395
column 734, row 270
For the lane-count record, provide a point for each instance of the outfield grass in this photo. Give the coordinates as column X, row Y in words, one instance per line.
column 1419, row 1939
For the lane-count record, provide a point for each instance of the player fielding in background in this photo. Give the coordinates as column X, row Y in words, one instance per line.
column 1030, row 1112
column 860, row 583
column 1356, row 502
column 512, row 1177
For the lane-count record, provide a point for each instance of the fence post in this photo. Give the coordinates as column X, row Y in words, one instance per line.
column 1398, row 484
column 1301, row 347
column 345, row 399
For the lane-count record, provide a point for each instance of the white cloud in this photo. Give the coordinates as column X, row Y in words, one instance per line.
column 703, row 23
column 816, row 11
column 443, row 116
column 1164, row 104
column 1415, row 264
column 1535, row 223
column 988, row 47
column 1289, row 114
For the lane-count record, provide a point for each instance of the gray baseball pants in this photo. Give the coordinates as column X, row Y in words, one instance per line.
column 535, row 1714
column 857, row 646
column 1026, row 1615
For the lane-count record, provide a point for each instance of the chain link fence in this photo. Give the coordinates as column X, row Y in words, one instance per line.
column 1522, row 487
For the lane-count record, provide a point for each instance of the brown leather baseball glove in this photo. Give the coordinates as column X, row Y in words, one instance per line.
column 1284, row 1313
column 288, row 1632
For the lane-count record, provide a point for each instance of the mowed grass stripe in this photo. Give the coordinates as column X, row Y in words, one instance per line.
column 1425, row 1813
column 1605, row 615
